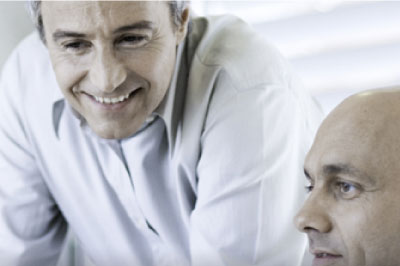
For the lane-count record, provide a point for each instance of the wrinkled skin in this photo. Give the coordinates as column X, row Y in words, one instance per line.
column 95, row 55
column 352, row 214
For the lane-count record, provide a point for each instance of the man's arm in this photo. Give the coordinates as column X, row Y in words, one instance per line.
column 32, row 228
column 249, row 184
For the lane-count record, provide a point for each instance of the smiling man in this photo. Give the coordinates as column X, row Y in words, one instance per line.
column 113, row 61
column 156, row 143
column 352, row 214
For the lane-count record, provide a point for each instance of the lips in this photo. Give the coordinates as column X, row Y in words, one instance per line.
column 111, row 100
column 324, row 257
column 114, row 99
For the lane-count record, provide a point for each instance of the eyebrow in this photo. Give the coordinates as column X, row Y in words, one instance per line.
column 59, row 34
column 334, row 169
column 141, row 25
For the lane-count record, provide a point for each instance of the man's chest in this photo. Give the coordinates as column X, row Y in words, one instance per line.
column 133, row 187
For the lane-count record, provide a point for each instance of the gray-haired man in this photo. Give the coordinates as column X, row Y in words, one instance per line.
column 156, row 146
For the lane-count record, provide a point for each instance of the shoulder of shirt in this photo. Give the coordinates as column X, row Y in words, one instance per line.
column 28, row 84
column 232, row 45
column 30, row 62
column 29, row 65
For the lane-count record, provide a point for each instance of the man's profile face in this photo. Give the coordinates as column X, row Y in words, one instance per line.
column 113, row 60
column 352, row 214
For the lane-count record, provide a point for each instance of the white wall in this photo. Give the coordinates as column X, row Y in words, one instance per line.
column 15, row 23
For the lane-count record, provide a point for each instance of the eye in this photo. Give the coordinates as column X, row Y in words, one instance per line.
column 310, row 185
column 346, row 187
column 76, row 46
column 309, row 188
column 132, row 40
column 347, row 190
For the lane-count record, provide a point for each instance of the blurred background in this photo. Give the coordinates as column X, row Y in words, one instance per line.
column 336, row 47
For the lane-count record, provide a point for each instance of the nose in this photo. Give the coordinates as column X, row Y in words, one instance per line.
column 107, row 72
column 313, row 216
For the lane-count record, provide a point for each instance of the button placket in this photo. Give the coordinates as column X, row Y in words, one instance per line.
column 118, row 177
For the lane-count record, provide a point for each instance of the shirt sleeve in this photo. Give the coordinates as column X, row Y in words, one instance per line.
column 32, row 228
column 250, row 177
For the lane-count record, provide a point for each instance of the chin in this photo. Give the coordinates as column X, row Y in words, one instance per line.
column 113, row 132
column 108, row 135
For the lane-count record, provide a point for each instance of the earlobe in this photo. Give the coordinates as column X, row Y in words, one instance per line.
column 182, row 30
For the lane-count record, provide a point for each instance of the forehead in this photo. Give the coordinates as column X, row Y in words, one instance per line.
column 363, row 144
column 82, row 14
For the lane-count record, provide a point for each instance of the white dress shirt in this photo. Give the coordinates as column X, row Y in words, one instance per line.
column 214, row 177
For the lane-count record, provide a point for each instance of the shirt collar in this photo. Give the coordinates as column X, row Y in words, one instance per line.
column 58, row 102
column 169, row 109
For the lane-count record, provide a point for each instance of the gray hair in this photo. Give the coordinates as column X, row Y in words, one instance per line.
column 176, row 9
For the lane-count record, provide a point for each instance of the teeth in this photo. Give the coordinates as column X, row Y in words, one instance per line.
column 111, row 100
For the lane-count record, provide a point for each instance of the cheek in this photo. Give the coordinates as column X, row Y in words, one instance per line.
column 66, row 77
column 156, row 66
column 369, row 229
column 382, row 231
column 352, row 223
column 68, row 72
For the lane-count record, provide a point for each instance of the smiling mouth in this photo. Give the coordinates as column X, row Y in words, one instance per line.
column 113, row 100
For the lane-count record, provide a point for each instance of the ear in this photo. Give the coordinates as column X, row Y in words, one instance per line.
column 182, row 29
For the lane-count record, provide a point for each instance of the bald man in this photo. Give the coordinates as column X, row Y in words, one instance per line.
column 352, row 214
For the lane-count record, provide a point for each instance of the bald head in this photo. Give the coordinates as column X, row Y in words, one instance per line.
column 371, row 111
column 352, row 215
column 364, row 127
